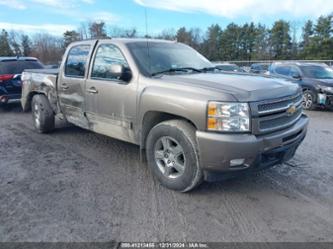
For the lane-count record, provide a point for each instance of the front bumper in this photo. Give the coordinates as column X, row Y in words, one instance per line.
column 217, row 151
column 325, row 99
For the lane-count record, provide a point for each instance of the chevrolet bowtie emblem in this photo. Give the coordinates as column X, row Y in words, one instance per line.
column 291, row 110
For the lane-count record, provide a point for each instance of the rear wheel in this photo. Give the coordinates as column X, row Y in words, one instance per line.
column 172, row 155
column 309, row 99
column 42, row 113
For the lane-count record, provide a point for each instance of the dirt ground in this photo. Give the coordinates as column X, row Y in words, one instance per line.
column 74, row 185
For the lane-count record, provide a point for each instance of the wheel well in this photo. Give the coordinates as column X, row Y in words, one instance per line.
column 29, row 99
column 153, row 118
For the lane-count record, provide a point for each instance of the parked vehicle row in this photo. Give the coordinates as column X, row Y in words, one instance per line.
column 11, row 69
column 316, row 79
column 194, row 122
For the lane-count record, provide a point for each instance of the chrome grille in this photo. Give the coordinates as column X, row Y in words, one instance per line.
column 279, row 105
column 272, row 115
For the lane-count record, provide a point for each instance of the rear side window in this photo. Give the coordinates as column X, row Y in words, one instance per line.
column 18, row 66
column 283, row 70
column 76, row 61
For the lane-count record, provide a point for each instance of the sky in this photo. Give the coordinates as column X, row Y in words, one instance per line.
column 57, row 16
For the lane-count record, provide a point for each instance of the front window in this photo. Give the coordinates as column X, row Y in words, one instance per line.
column 317, row 72
column 154, row 57
column 107, row 55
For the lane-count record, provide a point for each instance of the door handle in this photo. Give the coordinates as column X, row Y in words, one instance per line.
column 92, row 90
column 64, row 86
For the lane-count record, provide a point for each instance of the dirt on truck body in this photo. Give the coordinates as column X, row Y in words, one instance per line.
column 194, row 122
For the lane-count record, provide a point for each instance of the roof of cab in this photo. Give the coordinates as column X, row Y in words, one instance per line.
column 127, row 40
column 16, row 58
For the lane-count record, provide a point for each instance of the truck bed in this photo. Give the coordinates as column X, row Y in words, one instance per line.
column 43, row 81
column 43, row 71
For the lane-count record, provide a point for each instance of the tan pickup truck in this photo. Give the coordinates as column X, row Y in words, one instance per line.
column 194, row 122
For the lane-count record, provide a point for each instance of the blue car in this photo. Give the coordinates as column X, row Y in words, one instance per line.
column 11, row 69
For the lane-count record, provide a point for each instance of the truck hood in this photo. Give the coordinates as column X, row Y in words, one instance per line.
column 244, row 87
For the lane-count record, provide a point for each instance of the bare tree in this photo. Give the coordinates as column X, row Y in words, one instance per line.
column 49, row 49
column 14, row 41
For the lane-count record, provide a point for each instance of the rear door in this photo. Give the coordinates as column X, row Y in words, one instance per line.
column 71, row 83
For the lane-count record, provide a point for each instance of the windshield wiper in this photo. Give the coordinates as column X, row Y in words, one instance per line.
column 178, row 69
column 208, row 69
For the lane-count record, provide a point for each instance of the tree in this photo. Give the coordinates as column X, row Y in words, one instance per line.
column 48, row 48
column 281, row 40
column 230, row 42
column 307, row 34
column 5, row 49
column 262, row 44
column 167, row 34
column 26, row 45
column 212, row 44
column 184, row 36
column 317, row 40
column 70, row 36
column 247, row 39
column 322, row 41
column 97, row 30
column 15, row 43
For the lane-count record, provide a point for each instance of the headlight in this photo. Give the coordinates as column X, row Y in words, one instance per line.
column 326, row 88
column 228, row 117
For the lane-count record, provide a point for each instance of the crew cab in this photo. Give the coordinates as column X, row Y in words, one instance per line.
column 194, row 122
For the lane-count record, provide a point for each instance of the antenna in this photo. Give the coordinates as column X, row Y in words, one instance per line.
column 148, row 52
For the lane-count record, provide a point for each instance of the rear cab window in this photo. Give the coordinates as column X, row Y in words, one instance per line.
column 18, row 66
column 76, row 61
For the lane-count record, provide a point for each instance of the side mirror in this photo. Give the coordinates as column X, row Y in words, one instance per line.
column 116, row 70
column 120, row 72
column 296, row 76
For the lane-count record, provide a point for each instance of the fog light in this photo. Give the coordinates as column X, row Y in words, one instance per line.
column 237, row 162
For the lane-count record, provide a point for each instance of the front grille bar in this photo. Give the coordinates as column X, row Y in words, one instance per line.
column 284, row 108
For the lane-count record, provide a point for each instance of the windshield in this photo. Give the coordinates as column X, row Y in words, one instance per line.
column 17, row 67
column 161, row 56
column 317, row 72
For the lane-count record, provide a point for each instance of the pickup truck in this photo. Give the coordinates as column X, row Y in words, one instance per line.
column 193, row 122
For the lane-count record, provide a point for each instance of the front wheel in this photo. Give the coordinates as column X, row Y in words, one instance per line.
column 172, row 155
column 42, row 114
column 309, row 99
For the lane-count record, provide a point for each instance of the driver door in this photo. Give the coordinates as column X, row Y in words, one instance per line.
column 110, row 100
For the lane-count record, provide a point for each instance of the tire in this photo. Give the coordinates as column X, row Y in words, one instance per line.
column 309, row 100
column 172, row 155
column 42, row 113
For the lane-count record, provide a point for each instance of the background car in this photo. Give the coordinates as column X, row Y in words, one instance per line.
column 11, row 69
column 316, row 79
column 259, row 68
column 228, row 67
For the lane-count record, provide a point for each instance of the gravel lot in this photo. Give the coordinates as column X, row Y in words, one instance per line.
column 74, row 185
